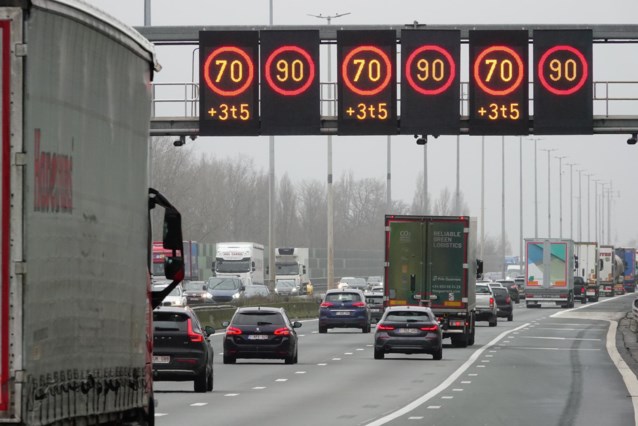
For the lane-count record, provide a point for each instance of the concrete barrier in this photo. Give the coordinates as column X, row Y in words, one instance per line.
column 215, row 315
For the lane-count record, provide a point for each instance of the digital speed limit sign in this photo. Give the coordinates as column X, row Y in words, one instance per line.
column 290, row 83
column 430, row 82
column 499, row 83
column 228, row 77
column 366, row 63
column 563, row 99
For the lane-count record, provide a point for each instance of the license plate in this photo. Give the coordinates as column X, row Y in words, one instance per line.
column 161, row 359
column 342, row 313
column 375, row 310
column 257, row 337
column 591, row 292
column 407, row 331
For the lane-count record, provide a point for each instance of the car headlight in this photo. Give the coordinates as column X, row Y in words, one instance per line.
column 207, row 296
column 236, row 295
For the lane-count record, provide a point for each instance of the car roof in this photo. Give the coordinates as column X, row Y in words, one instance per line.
column 175, row 309
column 408, row 308
column 344, row 290
column 247, row 310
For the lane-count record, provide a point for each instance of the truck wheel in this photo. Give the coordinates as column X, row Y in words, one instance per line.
column 378, row 354
column 493, row 321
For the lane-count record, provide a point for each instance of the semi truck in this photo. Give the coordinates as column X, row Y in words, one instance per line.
column 587, row 265
column 608, row 270
column 431, row 261
column 628, row 275
column 75, row 290
column 549, row 272
column 291, row 263
column 242, row 259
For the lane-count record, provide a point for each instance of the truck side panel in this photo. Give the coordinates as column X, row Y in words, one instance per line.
column 404, row 262
column 82, row 249
column 446, row 257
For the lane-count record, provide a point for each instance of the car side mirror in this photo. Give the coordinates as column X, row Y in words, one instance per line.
column 225, row 323
column 242, row 288
column 209, row 330
column 173, row 265
column 296, row 324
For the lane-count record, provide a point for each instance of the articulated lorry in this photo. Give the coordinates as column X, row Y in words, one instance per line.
column 431, row 261
column 587, row 266
column 549, row 274
column 627, row 276
column 291, row 263
column 244, row 260
column 75, row 291
column 609, row 273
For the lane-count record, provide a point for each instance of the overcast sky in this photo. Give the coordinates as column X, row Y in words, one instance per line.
column 607, row 157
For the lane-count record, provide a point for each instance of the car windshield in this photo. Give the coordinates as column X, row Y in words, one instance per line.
column 255, row 290
column 407, row 316
column 194, row 286
column 374, row 300
column 176, row 292
column 287, row 269
column 232, row 265
column 285, row 284
column 500, row 291
column 483, row 289
column 343, row 297
column 223, row 284
column 258, row 318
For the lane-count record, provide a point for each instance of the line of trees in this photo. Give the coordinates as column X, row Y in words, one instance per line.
column 227, row 200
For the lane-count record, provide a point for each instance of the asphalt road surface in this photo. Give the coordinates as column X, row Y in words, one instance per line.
column 549, row 366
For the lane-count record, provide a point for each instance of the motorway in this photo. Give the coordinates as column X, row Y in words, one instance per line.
column 549, row 366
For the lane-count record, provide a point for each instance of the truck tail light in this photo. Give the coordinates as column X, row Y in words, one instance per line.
column 491, row 302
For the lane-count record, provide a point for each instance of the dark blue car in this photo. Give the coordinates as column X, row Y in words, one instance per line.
column 345, row 308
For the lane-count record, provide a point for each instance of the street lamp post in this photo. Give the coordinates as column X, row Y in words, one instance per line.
column 503, row 205
column 271, row 191
column 571, row 200
column 457, row 204
column 520, row 201
column 589, row 175
column 549, row 191
column 596, row 209
column 580, row 205
column 482, row 196
column 560, row 194
column 330, row 196
column 535, row 186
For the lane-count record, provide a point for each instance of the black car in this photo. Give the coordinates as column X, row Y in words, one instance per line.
column 260, row 332
column 511, row 286
column 375, row 303
column 504, row 305
column 408, row 330
column 344, row 308
column 181, row 348
column 580, row 289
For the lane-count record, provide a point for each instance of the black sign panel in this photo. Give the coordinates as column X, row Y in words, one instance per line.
column 499, row 83
column 290, row 83
column 366, row 64
column 563, row 98
column 228, row 89
column 430, row 82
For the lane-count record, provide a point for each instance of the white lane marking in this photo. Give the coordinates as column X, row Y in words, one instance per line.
column 281, row 380
column 336, row 359
column 446, row 383
column 517, row 332
column 369, row 346
column 506, row 341
column 472, row 374
column 466, row 382
column 447, row 397
column 259, row 387
column 457, row 390
column 563, row 324
column 302, row 335
column 231, row 394
column 199, row 404
column 554, row 349
column 489, row 356
column 315, row 332
column 322, row 364
column 480, row 366
column 300, row 372
column 559, row 338
column 493, row 352
column 221, row 353
column 348, row 353
column 360, row 349
column 485, row 360
column 161, row 414
column 433, row 407
column 415, row 418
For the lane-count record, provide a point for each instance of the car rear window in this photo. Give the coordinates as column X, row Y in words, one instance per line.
column 483, row 289
column 500, row 291
column 410, row 316
column 258, row 318
column 374, row 300
column 343, row 297
column 169, row 321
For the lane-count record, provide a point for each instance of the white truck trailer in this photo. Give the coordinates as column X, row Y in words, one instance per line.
column 549, row 274
column 242, row 259
column 588, row 268
column 291, row 263
column 607, row 272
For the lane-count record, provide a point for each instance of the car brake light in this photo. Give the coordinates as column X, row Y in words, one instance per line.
column 326, row 305
column 283, row 331
column 491, row 302
column 232, row 331
column 192, row 336
column 432, row 327
column 359, row 304
column 384, row 327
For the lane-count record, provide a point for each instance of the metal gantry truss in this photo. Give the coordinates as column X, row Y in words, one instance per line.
column 605, row 120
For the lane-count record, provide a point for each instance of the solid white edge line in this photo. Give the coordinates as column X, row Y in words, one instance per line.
column 445, row 384
column 627, row 374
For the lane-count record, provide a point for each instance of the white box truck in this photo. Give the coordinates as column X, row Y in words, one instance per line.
column 587, row 267
column 607, row 273
column 291, row 263
column 242, row 259
column 549, row 274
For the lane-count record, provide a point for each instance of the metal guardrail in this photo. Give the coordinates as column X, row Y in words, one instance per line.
column 182, row 99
